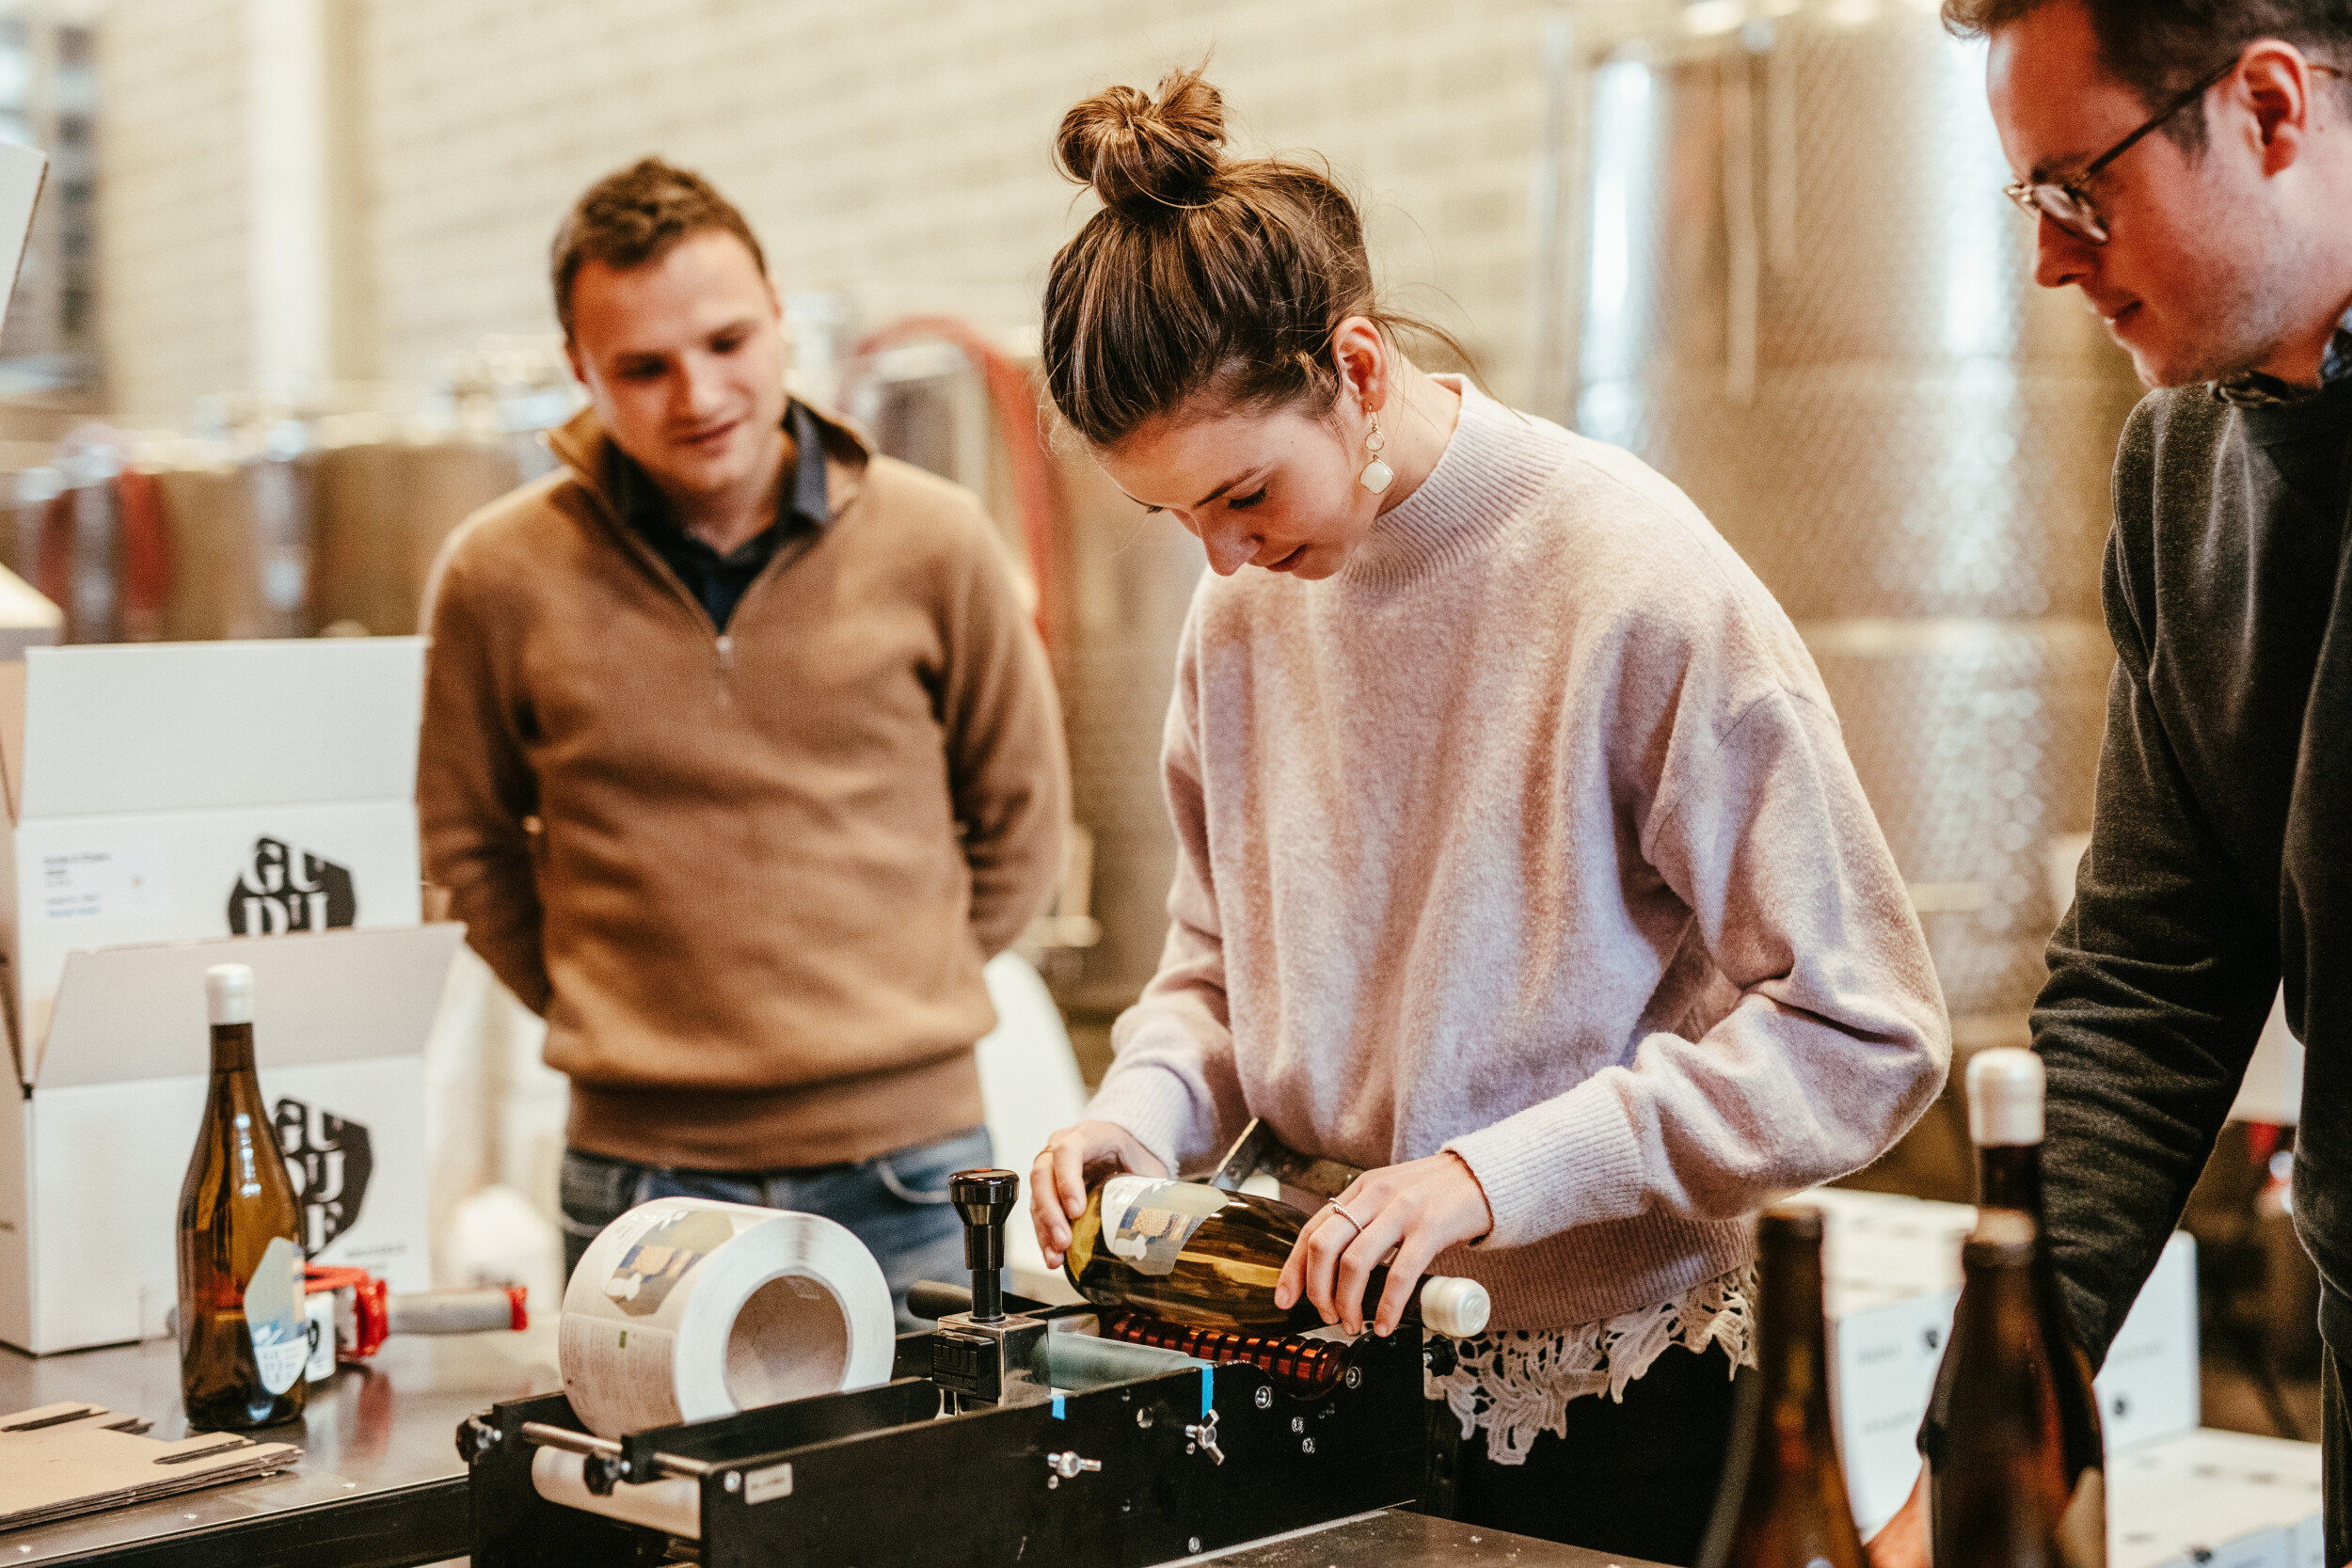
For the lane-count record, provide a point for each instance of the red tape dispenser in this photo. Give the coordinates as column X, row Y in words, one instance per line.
column 352, row 1313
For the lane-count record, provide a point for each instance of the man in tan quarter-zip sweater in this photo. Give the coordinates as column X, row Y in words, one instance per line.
column 739, row 758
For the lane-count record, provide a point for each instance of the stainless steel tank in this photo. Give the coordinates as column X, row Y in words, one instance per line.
column 241, row 541
column 1806, row 300
column 384, row 509
column 294, row 540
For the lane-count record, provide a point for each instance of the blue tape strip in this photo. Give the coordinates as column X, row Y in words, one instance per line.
column 1208, row 1388
column 1057, row 1407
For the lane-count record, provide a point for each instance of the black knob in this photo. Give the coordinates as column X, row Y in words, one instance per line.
column 601, row 1472
column 985, row 1199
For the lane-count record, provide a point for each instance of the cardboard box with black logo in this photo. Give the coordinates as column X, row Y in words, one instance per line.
column 173, row 806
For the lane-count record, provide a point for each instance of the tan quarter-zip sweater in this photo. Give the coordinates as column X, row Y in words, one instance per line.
column 748, row 879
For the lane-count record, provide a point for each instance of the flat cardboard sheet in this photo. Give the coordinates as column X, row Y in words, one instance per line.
column 60, row 1459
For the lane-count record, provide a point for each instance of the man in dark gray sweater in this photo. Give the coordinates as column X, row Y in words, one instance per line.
column 2189, row 163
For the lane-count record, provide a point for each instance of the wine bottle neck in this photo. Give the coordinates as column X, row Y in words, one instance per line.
column 2000, row 1303
column 1794, row 1332
column 2009, row 1175
column 232, row 1048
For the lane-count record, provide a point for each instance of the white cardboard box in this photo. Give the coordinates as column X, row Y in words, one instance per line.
column 159, row 792
column 172, row 806
column 1885, row 1347
column 2223, row 1499
column 2149, row 1388
column 1892, row 1270
column 92, row 1154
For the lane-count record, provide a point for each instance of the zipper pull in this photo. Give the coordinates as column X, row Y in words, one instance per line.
column 726, row 652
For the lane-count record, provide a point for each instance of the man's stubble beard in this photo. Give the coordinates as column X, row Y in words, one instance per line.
column 2252, row 298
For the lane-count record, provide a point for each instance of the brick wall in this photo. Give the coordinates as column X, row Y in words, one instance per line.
column 174, row 222
column 897, row 148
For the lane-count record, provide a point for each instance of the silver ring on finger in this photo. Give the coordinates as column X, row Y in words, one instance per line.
column 1335, row 1203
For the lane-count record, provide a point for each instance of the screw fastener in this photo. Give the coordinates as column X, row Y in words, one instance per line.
column 1265, row 1396
column 734, row 1481
column 1204, row 1436
column 1306, row 1444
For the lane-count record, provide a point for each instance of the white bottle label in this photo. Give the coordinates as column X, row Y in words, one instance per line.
column 273, row 1316
column 1150, row 1220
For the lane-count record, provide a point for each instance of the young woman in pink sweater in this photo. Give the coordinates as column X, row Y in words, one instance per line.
column 1521, row 863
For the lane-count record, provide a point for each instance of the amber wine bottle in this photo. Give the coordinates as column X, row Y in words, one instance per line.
column 1195, row 1254
column 2005, row 1489
column 2005, row 1122
column 243, row 1336
column 1783, row 1502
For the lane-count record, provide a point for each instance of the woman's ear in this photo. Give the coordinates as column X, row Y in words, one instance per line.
column 1362, row 355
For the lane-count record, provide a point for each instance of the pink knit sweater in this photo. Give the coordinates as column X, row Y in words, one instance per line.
column 1531, row 835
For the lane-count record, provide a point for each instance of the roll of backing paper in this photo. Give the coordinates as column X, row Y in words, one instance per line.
column 684, row 1310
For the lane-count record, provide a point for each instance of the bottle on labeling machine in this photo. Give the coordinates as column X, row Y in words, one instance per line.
column 1195, row 1254
column 2005, row 1122
column 2005, row 1484
column 1783, row 1502
column 244, row 1336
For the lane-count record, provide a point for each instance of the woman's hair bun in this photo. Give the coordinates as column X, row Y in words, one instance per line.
column 1148, row 157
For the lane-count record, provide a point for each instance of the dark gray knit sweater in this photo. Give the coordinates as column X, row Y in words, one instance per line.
column 2222, row 856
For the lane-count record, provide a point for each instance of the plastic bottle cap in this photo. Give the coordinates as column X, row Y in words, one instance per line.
column 1454, row 1307
column 229, row 994
column 2005, row 1093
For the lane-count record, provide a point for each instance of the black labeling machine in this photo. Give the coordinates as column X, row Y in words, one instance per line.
column 1013, row 1434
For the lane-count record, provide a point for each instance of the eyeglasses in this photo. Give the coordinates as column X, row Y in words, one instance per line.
column 2069, row 205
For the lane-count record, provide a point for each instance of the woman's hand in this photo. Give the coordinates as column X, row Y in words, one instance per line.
column 1408, row 1214
column 1059, row 1175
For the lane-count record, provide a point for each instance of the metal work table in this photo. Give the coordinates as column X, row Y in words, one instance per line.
column 380, row 1485
column 1412, row 1541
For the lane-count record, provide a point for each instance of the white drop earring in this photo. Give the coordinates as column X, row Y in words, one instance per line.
column 1376, row 475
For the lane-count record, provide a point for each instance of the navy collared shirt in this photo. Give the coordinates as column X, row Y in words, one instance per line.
column 2254, row 389
column 719, row 580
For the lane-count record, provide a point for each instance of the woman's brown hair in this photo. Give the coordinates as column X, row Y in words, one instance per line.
column 1201, row 273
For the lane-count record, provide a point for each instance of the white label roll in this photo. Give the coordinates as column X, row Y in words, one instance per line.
column 684, row 1310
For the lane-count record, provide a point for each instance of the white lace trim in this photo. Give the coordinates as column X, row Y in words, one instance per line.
column 1518, row 1382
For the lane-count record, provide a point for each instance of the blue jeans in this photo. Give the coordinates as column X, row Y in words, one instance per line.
column 895, row 1203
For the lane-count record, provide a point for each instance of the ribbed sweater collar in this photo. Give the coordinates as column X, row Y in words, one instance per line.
column 1495, row 465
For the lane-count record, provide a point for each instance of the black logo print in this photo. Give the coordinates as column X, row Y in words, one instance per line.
column 285, row 889
column 330, row 1160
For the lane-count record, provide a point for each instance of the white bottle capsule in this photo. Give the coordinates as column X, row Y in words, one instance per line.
column 229, row 994
column 2005, row 1096
column 1454, row 1307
